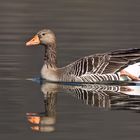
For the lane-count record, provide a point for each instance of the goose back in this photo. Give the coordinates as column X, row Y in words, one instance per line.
column 100, row 67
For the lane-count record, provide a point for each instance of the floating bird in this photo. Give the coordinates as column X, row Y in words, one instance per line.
column 94, row 68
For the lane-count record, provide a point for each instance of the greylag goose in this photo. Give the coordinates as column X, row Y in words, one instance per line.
column 93, row 68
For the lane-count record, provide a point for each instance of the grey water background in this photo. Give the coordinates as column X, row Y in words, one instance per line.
column 82, row 27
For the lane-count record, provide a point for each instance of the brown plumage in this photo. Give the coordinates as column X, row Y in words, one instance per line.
column 93, row 68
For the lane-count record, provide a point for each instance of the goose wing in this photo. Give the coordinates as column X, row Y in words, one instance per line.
column 103, row 63
column 120, row 59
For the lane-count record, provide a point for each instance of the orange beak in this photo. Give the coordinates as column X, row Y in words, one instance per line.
column 33, row 119
column 34, row 41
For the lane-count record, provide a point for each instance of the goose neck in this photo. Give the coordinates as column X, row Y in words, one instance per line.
column 50, row 56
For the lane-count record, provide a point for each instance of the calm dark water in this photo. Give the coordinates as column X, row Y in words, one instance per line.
column 82, row 27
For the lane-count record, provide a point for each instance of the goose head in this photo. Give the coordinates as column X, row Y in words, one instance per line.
column 44, row 37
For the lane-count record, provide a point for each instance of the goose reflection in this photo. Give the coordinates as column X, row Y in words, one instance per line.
column 112, row 97
column 45, row 121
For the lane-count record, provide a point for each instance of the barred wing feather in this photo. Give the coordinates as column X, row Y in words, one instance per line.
column 96, row 65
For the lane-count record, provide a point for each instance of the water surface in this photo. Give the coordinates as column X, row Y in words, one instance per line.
column 29, row 110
